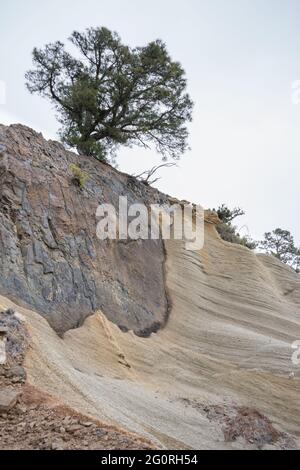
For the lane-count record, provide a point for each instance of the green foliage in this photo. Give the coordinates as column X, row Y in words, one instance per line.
column 114, row 95
column 79, row 177
column 229, row 232
column 280, row 243
column 228, row 215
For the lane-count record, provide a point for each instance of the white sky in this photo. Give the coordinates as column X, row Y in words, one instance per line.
column 241, row 58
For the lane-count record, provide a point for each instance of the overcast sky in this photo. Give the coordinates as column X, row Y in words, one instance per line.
column 241, row 58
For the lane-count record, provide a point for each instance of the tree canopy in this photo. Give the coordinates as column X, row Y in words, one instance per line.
column 280, row 243
column 108, row 94
column 227, row 215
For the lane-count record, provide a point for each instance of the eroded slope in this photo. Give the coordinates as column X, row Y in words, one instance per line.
column 223, row 359
column 218, row 375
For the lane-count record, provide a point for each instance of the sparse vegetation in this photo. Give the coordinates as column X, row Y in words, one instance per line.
column 279, row 243
column 146, row 176
column 228, row 231
column 79, row 177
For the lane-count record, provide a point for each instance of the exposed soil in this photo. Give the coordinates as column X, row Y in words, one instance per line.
column 244, row 423
column 37, row 422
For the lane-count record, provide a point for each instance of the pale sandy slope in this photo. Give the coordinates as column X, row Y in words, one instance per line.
column 228, row 340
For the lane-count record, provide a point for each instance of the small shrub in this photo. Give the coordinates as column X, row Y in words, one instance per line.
column 79, row 177
column 228, row 231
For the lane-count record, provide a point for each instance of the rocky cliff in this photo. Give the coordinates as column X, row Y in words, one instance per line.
column 51, row 258
column 219, row 375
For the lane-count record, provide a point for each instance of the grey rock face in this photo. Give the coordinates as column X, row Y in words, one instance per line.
column 50, row 257
column 8, row 399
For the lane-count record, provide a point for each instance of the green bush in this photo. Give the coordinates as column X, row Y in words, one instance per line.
column 79, row 177
column 228, row 231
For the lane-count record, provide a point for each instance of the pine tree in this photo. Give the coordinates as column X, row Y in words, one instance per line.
column 110, row 95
